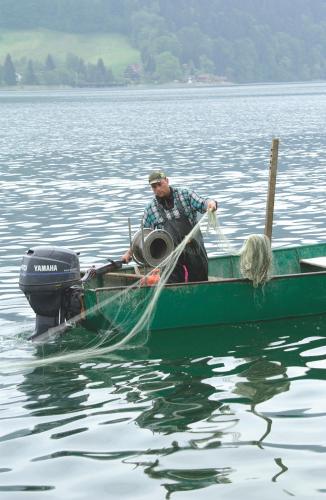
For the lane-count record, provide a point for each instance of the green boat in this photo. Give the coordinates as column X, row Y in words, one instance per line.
column 120, row 300
column 297, row 288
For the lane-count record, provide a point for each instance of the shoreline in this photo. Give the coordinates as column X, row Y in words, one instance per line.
column 148, row 86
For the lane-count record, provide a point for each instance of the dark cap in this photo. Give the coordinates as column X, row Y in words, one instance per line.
column 156, row 176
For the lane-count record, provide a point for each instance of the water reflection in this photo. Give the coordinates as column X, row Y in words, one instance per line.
column 192, row 406
column 187, row 401
column 189, row 479
column 259, row 387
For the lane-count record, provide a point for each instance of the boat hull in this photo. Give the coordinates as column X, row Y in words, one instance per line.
column 226, row 300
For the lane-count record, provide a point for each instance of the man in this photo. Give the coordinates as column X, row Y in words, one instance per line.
column 175, row 211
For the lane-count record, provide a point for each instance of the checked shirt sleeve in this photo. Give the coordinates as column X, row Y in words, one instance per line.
column 150, row 216
column 196, row 202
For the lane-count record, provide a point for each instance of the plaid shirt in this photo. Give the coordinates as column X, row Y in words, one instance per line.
column 190, row 201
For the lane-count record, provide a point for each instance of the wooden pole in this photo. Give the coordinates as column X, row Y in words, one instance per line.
column 143, row 245
column 129, row 228
column 271, row 189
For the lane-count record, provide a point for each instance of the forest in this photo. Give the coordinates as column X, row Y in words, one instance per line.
column 239, row 41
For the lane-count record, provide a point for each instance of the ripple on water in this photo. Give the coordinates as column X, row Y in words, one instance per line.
column 253, row 408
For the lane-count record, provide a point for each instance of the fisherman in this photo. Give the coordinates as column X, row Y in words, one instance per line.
column 175, row 211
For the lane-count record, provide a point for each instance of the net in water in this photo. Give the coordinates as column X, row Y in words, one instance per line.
column 255, row 265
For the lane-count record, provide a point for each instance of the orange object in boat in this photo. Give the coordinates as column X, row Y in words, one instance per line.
column 152, row 278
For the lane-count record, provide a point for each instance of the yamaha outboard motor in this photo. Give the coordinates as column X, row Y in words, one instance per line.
column 46, row 277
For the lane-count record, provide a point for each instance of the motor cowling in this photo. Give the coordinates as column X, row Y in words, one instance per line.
column 47, row 277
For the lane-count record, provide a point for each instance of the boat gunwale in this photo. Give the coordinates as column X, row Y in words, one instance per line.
column 277, row 277
column 222, row 279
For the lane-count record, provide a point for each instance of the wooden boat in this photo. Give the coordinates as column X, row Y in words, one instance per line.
column 112, row 298
column 297, row 288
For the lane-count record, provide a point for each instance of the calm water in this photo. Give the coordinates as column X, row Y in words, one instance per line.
column 206, row 414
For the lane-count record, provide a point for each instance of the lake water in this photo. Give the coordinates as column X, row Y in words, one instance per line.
column 218, row 413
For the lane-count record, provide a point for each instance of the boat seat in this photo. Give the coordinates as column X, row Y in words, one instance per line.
column 125, row 275
column 313, row 265
column 135, row 277
column 120, row 279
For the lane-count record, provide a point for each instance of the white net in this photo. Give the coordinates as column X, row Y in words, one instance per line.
column 255, row 264
column 256, row 259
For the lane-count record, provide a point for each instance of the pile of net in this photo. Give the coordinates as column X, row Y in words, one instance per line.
column 256, row 259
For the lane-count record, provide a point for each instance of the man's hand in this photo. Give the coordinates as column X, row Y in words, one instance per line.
column 127, row 256
column 212, row 205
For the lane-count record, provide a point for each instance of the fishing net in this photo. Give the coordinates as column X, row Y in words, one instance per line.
column 255, row 264
column 256, row 259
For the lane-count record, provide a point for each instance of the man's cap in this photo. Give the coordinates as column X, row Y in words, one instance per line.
column 156, row 176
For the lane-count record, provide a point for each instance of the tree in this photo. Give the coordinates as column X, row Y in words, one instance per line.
column 81, row 72
column 100, row 72
column 72, row 62
column 148, row 60
column 29, row 77
column 146, row 26
column 194, row 44
column 9, row 72
column 246, row 60
column 168, row 67
column 167, row 43
column 206, row 65
column 49, row 63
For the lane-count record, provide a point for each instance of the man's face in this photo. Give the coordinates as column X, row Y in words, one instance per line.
column 161, row 188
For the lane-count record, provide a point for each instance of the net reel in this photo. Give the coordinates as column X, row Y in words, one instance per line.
column 151, row 246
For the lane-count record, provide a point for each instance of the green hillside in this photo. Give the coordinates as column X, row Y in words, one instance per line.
column 162, row 41
column 114, row 49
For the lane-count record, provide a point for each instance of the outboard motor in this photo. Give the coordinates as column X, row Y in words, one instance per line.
column 47, row 277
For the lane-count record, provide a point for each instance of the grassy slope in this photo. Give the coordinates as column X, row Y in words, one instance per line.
column 114, row 49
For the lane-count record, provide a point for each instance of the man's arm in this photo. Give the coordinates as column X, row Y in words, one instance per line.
column 127, row 256
column 199, row 203
column 212, row 205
